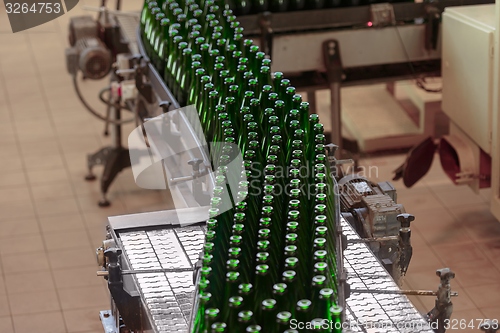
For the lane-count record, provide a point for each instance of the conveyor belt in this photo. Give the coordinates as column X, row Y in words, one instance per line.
column 128, row 26
column 168, row 296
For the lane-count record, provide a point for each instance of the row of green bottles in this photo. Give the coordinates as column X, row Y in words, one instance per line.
column 269, row 253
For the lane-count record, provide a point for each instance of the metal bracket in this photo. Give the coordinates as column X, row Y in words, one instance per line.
column 266, row 33
column 144, row 88
column 382, row 15
column 108, row 322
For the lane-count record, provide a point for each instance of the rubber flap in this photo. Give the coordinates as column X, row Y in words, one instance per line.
column 418, row 162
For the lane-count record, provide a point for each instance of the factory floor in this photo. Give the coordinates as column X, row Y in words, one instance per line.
column 50, row 224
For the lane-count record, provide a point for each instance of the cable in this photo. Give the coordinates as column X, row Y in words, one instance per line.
column 92, row 111
column 103, row 100
column 420, row 81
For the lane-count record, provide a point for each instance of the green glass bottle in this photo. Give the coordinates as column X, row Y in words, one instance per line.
column 283, row 321
column 245, row 319
column 204, row 300
column 231, row 285
column 303, row 311
column 149, row 15
column 219, row 327
column 211, row 316
column 319, row 325
column 264, row 94
column 268, row 310
column 235, row 306
column 173, row 56
column 253, row 329
column 336, row 315
column 324, row 303
column 145, row 14
column 280, row 294
column 159, row 45
column 263, row 284
column 271, row 101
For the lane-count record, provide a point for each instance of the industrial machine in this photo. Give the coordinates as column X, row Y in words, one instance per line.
column 469, row 154
column 152, row 260
column 97, row 44
column 372, row 210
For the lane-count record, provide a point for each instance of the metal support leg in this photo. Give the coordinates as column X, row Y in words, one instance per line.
column 118, row 159
column 311, row 99
column 114, row 158
column 441, row 313
column 336, row 119
column 333, row 64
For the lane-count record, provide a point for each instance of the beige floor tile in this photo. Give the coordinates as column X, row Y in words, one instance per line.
column 22, row 244
column 492, row 313
column 88, row 203
column 3, row 290
column 72, row 258
column 96, row 219
column 472, row 213
column 456, row 253
column 18, row 227
column 47, row 176
column 83, row 188
column 29, row 136
column 15, row 194
column 22, row 263
column 68, row 278
column 416, row 202
column 483, row 230
column 458, row 196
column 485, row 193
column 140, row 198
column 47, row 162
column 37, row 113
column 485, row 296
column 6, row 325
column 66, row 240
column 51, row 191
column 423, row 260
column 424, row 279
column 16, row 210
column 48, row 322
column 437, row 226
column 59, row 206
column 10, row 163
column 28, row 282
column 491, row 248
column 12, row 179
column 49, row 147
column 83, row 297
column 34, row 302
column 61, row 223
column 82, row 320
column 4, row 306
column 463, row 301
column 475, row 273
column 468, row 317
column 8, row 154
column 83, row 144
